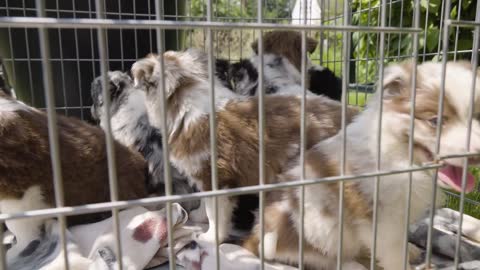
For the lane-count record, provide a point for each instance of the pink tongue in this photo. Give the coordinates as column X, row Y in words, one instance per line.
column 452, row 176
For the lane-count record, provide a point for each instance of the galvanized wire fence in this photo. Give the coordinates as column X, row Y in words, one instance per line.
column 54, row 49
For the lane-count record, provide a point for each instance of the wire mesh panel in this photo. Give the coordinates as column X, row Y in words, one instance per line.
column 52, row 51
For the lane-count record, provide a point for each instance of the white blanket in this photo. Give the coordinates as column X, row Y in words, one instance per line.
column 144, row 240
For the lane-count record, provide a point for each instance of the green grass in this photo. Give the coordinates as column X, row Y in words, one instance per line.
column 357, row 98
column 472, row 209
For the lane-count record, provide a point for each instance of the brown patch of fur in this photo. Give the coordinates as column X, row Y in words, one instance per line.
column 25, row 161
column 287, row 241
column 287, row 44
column 237, row 137
column 317, row 165
column 356, row 205
column 426, row 105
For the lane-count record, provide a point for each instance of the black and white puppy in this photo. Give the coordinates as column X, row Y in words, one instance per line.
column 130, row 126
column 281, row 69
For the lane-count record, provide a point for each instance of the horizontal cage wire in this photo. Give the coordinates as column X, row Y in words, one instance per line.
column 64, row 45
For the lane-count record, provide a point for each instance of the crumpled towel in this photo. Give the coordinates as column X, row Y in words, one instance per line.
column 143, row 235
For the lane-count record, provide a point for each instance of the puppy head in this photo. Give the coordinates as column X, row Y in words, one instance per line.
column 181, row 70
column 287, row 44
column 118, row 83
column 454, row 131
column 244, row 77
column 222, row 68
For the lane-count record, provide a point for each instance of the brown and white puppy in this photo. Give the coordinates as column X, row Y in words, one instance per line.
column 187, row 113
column 26, row 179
column 323, row 160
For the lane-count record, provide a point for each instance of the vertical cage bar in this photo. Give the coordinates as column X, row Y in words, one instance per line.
column 112, row 166
column 52, row 129
column 213, row 127
column 121, row 34
column 135, row 33
column 425, row 31
column 474, row 61
column 413, row 91
column 12, row 56
column 92, row 45
column 303, row 73
column 457, row 30
column 446, row 32
column 343, row 157
column 400, row 24
column 379, row 137
column 79, row 72
column 167, row 173
column 29, row 60
column 322, row 33
column 443, row 15
column 3, row 263
column 261, row 134
column 62, row 62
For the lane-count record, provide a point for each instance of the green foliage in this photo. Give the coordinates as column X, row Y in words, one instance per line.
column 242, row 9
column 399, row 46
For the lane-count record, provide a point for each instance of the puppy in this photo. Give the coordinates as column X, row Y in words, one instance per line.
column 283, row 52
column 26, row 178
column 130, row 126
column 283, row 77
column 187, row 113
column 288, row 45
column 323, row 160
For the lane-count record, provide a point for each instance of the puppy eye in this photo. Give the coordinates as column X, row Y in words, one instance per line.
column 433, row 122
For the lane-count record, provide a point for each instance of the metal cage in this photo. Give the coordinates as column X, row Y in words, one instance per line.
column 53, row 49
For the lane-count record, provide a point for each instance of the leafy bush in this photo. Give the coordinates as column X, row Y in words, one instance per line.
column 399, row 46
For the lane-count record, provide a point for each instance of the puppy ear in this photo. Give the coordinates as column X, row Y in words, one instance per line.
column 118, row 82
column 142, row 70
column 396, row 80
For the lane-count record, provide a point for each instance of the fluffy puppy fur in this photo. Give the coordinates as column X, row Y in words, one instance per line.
column 187, row 113
column 130, row 126
column 288, row 45
column 282, row 63
column 26, row 171
column 322, row 200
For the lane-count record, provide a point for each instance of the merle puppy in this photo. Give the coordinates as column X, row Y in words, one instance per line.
column 130, row 126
